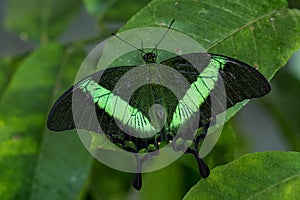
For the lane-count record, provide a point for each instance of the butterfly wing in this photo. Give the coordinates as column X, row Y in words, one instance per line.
column 241, row 81
column 91, row 104
column 217, row 76
column 97, row 104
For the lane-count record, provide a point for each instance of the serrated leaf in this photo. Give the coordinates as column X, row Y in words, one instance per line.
column 36, row 19
column 34, row 157
column 267, row 175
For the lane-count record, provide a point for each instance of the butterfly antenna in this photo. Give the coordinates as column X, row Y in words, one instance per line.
column 141, row 50
column 164, row 35
column 142, row 45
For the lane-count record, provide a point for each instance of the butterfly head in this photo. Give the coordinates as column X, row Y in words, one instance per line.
column 149, row 57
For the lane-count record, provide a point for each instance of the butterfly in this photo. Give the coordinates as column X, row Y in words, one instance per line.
column 126, row 121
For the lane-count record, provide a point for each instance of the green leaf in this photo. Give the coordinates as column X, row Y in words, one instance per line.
column 225, row 149
column 98, row 8
column 267, row 175
column 63, row 160
column 263, row 34
column 36, row 19
column 167, row 184
column 109, row 184
column 42, row 162
column 123, row 10
column 8, row 65
column 114, row 10
column 5, row 73
column 294, row 4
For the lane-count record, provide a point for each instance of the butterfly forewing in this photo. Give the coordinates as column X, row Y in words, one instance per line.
column 236, row 81
column 242, row 81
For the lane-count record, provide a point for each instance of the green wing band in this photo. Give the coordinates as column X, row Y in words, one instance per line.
column 118, row 108
column 196, row 94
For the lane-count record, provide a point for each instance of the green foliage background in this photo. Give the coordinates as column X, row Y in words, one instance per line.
column 36, row 163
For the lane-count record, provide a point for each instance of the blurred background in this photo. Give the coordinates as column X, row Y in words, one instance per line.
column 270, row 123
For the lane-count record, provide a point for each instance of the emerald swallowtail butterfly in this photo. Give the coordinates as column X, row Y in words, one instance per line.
column 205, row 72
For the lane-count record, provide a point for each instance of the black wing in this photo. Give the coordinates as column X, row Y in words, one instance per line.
column 61, row 115
column 235, row 81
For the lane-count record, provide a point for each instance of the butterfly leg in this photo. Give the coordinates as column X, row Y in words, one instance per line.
column 137, row 180
column 203, row 168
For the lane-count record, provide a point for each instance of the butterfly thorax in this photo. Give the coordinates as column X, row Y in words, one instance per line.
column 149, row 57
